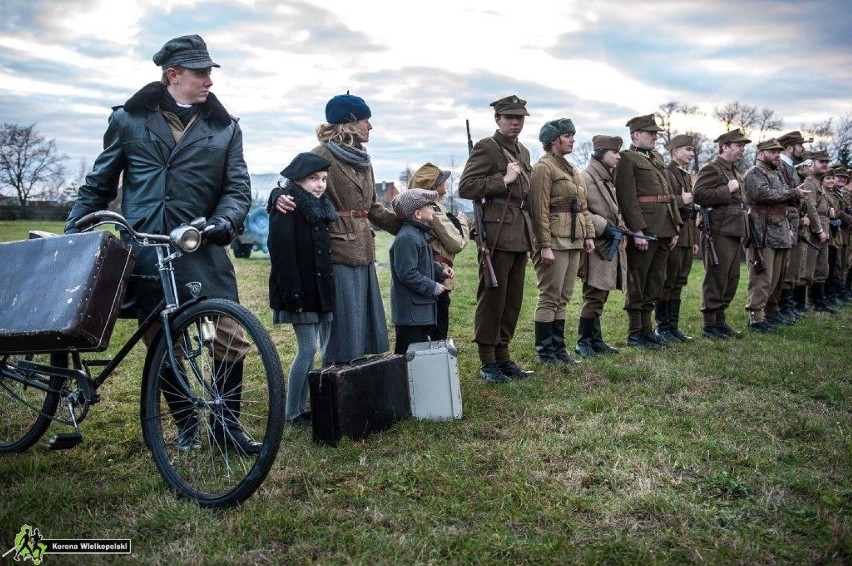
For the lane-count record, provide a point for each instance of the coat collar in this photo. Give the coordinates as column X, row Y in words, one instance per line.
column 147, row 99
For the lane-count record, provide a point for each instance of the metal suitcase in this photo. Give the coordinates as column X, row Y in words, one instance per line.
column 355, row 399
column 62, row 292
column 433, row 381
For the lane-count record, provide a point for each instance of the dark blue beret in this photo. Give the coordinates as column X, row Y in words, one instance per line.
column 345, row 108
column 305, row 164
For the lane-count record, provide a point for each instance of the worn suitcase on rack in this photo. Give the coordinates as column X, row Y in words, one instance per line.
column 433, row 381
column 62, row 292
column 353, row 400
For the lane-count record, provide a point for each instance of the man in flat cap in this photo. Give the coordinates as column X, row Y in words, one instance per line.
column 563, row 230
column 599, row 275
column 718, row 190
column 770, row 235
column 497, row 174
column 179, row 155
column 820, row 213
column 679, row 263
column 793, row 152
column 649, row 207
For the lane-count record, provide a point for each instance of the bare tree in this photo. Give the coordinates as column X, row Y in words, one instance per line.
column 405, row 176
column 29, row 164
column 737, row 114
column 768, row 122
column 581, row 154
column 667, row 111
column 822, row 132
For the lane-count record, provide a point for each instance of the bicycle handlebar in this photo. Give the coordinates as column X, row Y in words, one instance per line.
column 100, row 217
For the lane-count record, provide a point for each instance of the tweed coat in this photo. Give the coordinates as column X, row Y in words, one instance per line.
column 603, row 209
column 727, row 216
column 818, row 206
column 482, row 178
column 555, row 182
column 764, row 186
column 792, row 178
column 639, row 176
column 414, row 276
column 352, row 239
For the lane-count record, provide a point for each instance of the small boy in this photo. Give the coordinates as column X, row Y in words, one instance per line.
column 415, row 277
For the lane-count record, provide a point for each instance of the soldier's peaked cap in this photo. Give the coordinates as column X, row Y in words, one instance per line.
column 643, row 123
column 734, row 136
column 511, row 105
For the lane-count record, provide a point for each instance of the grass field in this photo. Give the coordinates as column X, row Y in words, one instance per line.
column 735, row 452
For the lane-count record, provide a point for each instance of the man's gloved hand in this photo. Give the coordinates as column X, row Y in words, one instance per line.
column 219, row 231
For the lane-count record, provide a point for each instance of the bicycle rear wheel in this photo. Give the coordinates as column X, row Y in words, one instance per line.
column 26, row 411
column 232, row 368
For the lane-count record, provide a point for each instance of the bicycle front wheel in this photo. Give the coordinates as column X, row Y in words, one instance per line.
column 217, row 445
column 26, row 410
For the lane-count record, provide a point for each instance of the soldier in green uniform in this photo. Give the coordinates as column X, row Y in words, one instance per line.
column 846, row 262
column 648, row 207
column 563, row 230
column 806, row 212
column 767, row 197
column 717, row 189
column 497, row 174
column 793, row 144
column 815, row 268
column 680, row 257
column 835, row 286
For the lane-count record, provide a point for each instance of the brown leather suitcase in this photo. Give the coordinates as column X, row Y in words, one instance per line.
column 62, row 292
column 353, row 400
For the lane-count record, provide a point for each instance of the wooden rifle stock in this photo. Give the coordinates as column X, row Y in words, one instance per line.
column 481, row 235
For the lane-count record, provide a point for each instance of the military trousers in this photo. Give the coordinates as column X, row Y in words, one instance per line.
column 815, row 269
column 497, row 310
column 795, row 264
column 845, row 260
column 594, row 300
column 646, row 274
column 555, row 283
column 678, row 267
column 765, row 288
column 720, row 281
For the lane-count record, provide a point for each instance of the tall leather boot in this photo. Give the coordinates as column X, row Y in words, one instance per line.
column 598, row 344
column 813, row 296
column 181, row 409
column 663, row 315
column 786, row 305
column 820, row 301
column 674, row 321
column 227, row 430
column 559, row 350
column 648, row 330
column 723, row 327
column 800, row 300
column 544, row 345
column 585, row 334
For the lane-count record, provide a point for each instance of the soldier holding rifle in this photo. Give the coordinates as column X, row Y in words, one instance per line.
column 770, row 235
column 819, row 213
column 717, row 190
column 497, row 174
column 793, row 154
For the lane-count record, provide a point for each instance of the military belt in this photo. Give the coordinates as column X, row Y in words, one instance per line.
column 353, row 213
column 441, row 259
column 770, row 210
column 661, row 199
column 510, row 201
column 560, row 208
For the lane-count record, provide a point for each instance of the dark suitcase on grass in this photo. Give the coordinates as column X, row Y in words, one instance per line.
column 62, row 292
column 352, row 400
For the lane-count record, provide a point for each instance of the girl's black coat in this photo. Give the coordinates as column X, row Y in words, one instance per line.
column 299, row 251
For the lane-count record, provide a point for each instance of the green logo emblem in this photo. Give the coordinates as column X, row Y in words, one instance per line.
column 28, row 545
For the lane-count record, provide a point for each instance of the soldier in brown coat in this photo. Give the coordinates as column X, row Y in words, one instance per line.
column 599, row 275
column 846, row 252
column 563, row 230
column 717, row 189
column 810, row 243
column 680, row 257
column 792, row 154
column 835, row 284
column 648, row 206
column 820, row 212
column 497, row 173
column 767, row 198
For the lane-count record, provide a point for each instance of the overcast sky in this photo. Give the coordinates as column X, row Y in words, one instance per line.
column 424, row 67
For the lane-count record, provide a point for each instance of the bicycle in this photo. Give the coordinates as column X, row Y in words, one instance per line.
column 211, row 374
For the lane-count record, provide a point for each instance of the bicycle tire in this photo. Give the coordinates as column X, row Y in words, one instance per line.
column 27, row 411
column 211, row 470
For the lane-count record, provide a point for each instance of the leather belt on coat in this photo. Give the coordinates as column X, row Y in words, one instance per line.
column 770, row 210
column 441, row 259
column 662, row 199
column 510, row 201
column 353, row 213
column 561, row 208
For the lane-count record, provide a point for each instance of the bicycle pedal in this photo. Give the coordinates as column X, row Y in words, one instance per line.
column 65, row 440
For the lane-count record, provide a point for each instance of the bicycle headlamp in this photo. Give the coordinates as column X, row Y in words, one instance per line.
column 186, row 238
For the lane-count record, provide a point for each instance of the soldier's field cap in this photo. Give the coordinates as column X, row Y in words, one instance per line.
column 609, row 143
column 680, row 141
column 793, row 138
column 769, row 145
column 409, row 201
column 511, row 105
column 805, row 162
column 428, row 177
column 187, row 51
column 643, row 124
column 820, row 156
column 734, row 136
column 838, row 170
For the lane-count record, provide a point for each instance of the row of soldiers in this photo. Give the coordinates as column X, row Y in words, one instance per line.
column 630, row 221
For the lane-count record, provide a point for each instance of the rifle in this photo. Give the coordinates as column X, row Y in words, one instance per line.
column 810, row 243
column 759, row 263
column 575, row 209
column 481, row 234
column 612, row 237
column 705, row 223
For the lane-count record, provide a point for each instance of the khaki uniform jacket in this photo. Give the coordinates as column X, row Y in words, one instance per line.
column 727, row 217
column 482, row 178
column 681, row 182
column 636, row 176
column 352, row 238
column 765, row 187
column 603, row 209
column 846, row 205
column 835, row 238
column 446, row 240
column 555, row 182
column 817, row 205
column 792, row 178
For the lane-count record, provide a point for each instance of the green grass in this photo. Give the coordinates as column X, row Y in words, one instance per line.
column 712, row 452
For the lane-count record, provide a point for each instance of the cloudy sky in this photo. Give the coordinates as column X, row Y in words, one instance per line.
column 424, row 67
